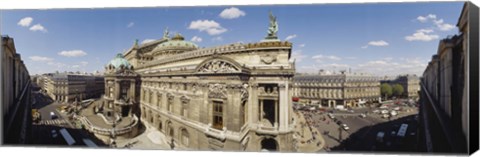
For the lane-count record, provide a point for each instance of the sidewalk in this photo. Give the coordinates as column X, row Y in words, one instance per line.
column 149, row 139
column 331, row 139
column 311, row 141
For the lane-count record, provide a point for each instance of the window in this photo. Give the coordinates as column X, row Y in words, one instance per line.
column 243, row 113
column 124, row 89
column 217, row 114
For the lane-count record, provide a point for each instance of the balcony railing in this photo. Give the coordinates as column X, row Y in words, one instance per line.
column 437, row 127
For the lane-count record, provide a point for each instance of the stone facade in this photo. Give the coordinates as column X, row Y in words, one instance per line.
column 68, row 87
column 115, row 116
column 15, row 95
column 347, row 90
column 230, row 97
column 444, row 100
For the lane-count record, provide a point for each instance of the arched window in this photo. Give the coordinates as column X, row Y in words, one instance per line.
column 185, row 137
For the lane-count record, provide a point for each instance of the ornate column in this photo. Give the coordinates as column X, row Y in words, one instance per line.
column 275, row 124
column 117, row 89
column 131, row 93
column 283, row 106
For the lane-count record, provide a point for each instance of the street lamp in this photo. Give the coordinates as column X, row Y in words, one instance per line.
column 172, row 144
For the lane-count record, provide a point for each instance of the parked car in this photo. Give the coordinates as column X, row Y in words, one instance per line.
column 385, row 116
column 345, row 127
column 384, row 111
column 363, row 115
column 393, row 113
column 376, row 111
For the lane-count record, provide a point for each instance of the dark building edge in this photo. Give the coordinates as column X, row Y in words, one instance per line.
column 473, row 80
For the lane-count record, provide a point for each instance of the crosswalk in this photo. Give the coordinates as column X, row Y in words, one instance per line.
column 53, row 122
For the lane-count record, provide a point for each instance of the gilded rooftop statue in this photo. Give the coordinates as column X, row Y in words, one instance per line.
column 273, row 27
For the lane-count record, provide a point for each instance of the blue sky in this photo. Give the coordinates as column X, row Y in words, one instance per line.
column 381, row 39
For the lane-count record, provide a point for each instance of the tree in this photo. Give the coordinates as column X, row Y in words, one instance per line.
column 397, row 90
column 386, row 90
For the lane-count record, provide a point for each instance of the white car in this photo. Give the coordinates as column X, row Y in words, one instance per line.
column 385, row 116
column 345, row 127
column 384, row 112
column 53, row 115
column 376, row 111
column 363, row 115
column 393, row 113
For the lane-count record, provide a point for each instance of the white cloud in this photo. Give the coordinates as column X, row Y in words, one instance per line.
column 75, row 66
column 439, row 23
column 72, row 53
column 322, row 58
column 422, row 35
column 364, row 47
column 391, row 66
column 25, row 22
column 219, row 38
column 84, row 63
column 57, row 64
column 291, row 37
column 147, row 41
column 232, row 13
column 130, row 24
column 443, row 26
column 38, row 27
column 196, row 39
column 426, row 18
column 297, row 56
column 301, row 45
column 40, row 58
column 209, row 26
column 378, row 43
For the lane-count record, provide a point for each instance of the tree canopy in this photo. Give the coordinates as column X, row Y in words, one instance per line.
column 386, row 90
column 397, row 90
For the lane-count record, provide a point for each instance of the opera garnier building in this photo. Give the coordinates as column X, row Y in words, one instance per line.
column 228, row 97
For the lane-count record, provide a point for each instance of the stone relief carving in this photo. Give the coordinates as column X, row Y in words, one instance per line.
column 244, row 92
column 268, row 58
column 218, row 66
column 184, row 100
column 217, row 91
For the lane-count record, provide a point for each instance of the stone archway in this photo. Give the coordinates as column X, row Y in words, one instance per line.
column 269, row 144
column 169, row 129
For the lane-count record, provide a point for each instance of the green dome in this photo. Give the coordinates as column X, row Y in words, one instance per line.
column 177, row 43
column 118, row 61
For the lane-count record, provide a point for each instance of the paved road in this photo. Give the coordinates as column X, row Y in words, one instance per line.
column 43, row 130
column 361, row 135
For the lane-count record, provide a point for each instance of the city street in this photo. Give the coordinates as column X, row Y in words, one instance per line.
column 43, row 131
column 362, row 131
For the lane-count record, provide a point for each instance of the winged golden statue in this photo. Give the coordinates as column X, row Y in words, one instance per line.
column 273, row 27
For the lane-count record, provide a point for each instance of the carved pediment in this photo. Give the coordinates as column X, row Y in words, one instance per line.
column 218, row 66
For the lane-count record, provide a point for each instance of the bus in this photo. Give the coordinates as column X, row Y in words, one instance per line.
column 402, row 131
column 68, row 138
column 89, row 143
